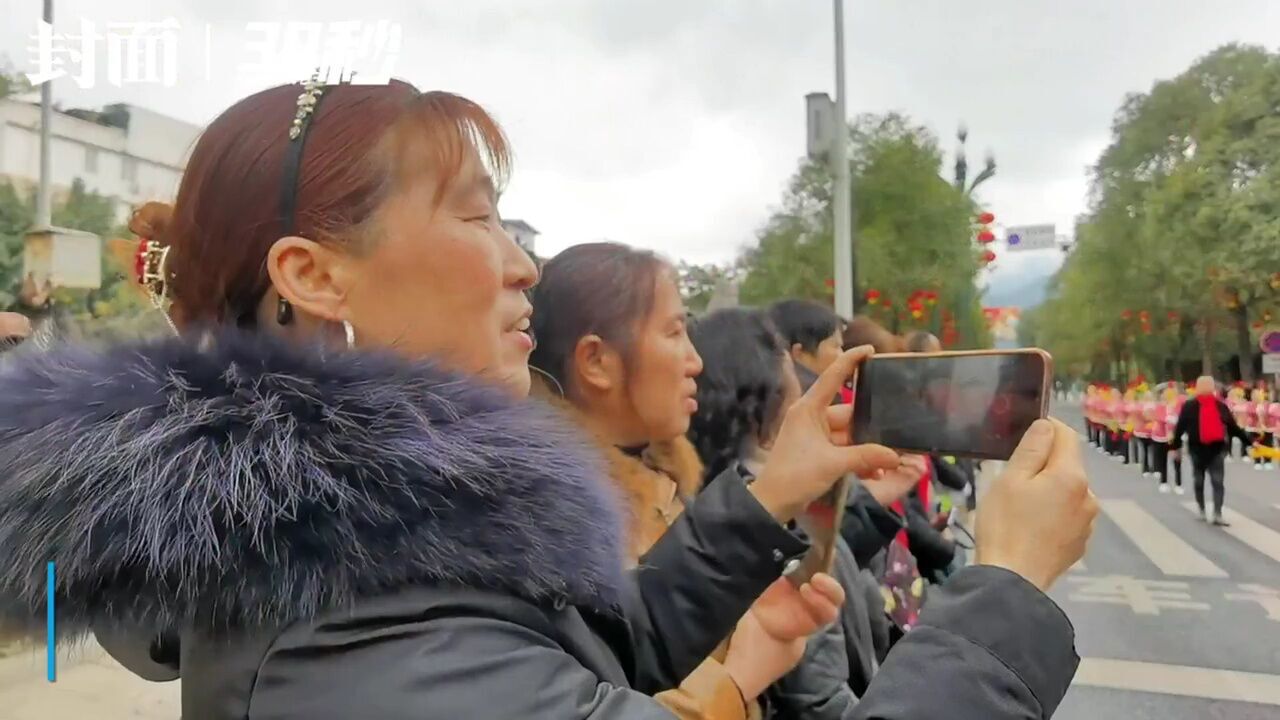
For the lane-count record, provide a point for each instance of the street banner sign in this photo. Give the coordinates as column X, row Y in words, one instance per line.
column 1032, row 237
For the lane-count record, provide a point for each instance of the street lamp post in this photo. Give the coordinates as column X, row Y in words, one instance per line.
column 846, row 276
column 44, row 213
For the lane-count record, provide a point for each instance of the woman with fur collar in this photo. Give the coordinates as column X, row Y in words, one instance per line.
column 326, row 496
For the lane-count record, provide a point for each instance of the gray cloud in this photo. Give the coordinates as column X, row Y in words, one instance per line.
column 675, row 124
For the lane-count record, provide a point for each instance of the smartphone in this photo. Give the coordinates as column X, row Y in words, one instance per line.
column 968, row 404
column 820, row 522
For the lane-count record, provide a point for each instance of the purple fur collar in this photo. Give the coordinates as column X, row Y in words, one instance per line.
column 247, row 482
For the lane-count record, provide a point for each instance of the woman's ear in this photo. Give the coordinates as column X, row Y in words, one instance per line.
column 596, row 365
column 314, row 279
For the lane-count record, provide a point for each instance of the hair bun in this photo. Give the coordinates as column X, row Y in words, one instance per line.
column 151, row 220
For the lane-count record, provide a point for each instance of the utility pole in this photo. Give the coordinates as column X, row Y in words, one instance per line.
column 44, row 212
column 846, row 275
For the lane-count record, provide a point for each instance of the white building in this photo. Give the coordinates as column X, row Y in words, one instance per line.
column 524, row 234
column 123, row 152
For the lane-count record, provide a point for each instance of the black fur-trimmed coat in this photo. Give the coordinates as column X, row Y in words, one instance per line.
column 315, row 535
column 333, row 536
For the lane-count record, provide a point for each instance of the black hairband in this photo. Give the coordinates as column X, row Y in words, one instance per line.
column 312, row 91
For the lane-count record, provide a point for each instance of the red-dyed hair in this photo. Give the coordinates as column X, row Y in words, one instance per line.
column 362, row 142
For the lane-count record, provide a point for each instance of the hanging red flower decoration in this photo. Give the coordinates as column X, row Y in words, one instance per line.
column 873, row 296
column 986, row 236
column 1126, row 314
column 986, row 218
column 1144, row 316
column 988, row 257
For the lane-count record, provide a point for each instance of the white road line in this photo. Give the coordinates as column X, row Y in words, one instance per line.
column 1169, row 552
column 1250, row 532
column 1231, row 685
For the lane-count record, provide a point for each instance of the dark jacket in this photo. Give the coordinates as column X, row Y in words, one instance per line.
column 343, row 535
column 868, row 527
column 1189, row 425
column 838, row 662
column 934, row 552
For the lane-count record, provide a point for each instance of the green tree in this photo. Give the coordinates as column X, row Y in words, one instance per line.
column 1176, row 258
column 11, row 81
column 116, row 306
column 912, row 232
column 698, row 283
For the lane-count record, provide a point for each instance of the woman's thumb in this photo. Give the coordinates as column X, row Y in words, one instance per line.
column 1033, row 452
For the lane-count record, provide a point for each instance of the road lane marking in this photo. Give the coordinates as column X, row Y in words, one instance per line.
column 1250, row 532
column 1183, row 680
column 1169, row 552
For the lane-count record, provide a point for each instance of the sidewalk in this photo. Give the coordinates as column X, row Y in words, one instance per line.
column 90, row 685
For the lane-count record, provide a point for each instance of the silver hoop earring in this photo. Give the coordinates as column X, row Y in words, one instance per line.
column 350, row 333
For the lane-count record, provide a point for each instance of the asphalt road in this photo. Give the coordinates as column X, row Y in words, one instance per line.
column 1176, row 618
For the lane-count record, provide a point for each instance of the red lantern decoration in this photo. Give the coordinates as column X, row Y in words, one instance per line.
column 986, row 218
column 986, row 236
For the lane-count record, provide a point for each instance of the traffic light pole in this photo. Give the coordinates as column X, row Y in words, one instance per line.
column 846, row 276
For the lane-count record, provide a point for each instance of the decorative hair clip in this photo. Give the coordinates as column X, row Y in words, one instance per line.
column 149, row 269
column 311, row 91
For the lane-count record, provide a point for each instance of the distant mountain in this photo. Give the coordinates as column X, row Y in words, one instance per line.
column 1021, row 280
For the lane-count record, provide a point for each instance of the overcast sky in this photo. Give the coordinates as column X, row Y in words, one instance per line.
column 675, row 124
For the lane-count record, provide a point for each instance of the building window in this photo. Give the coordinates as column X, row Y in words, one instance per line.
column 91, row 159
column 129, row 169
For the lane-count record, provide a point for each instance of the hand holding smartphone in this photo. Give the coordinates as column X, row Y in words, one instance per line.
column 966, row 404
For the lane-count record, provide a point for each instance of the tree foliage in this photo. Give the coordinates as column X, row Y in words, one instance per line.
column 116, row 306
column 1178, row 262
column 913, row 233
column 698, row 283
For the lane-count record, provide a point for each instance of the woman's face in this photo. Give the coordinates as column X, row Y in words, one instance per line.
column 448, row 282
column 661, row 384
column 826, row 353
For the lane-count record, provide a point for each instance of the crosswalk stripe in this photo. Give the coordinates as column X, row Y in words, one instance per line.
column 1187, row 681
column 1169, row 552
column 1250, row 532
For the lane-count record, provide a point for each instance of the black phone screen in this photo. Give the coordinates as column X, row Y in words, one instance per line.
column 958, row 404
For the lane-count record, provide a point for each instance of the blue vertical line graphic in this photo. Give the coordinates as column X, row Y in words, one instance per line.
column 51, row 644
